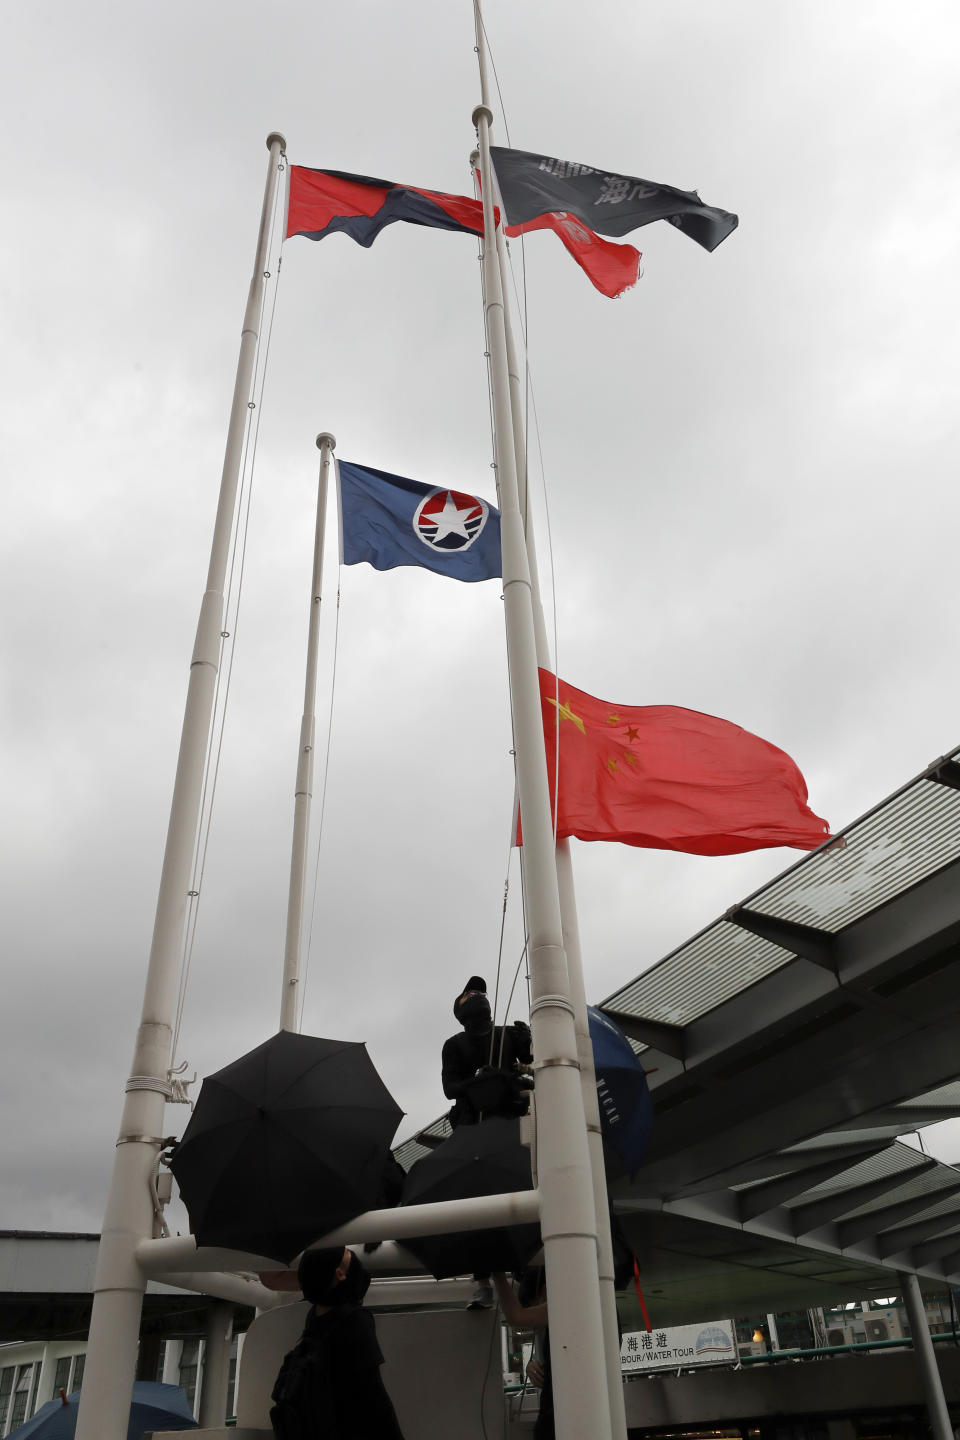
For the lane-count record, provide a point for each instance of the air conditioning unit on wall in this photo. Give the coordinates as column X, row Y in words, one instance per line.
column 836, row 1337
column 891, row 1325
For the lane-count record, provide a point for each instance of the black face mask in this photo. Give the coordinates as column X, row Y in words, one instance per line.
column 352, row 1287
column 474, row 1015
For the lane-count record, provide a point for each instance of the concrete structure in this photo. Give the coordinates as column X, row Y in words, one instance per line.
column 46, row 1284
column 427, row 1353
column 836, row 1389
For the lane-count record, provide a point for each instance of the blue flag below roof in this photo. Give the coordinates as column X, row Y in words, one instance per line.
column 387, row 520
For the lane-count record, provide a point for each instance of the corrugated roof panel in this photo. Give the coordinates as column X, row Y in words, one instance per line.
column 764, row 1180
column 888, row 852
column 837, row 1140
column 410, row 1151
column 944, row 1095
column 702, row 974
column 949, row 1208
column 931, row 1183
column 895, row 1159
column 892, row 1131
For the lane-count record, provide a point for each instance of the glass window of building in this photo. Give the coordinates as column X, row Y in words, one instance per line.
column 78, row 1363
column 22, row 1389
column 61, row 1376
column 6, row 1390
column 232, row 1380
column 189, row 1361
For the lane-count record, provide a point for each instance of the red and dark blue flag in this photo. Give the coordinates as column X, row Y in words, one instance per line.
column 323, row 202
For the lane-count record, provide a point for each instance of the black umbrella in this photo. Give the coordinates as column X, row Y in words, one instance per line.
column 484, row 1159
column 286, row 1143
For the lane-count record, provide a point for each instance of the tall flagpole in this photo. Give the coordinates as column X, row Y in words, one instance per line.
column 290, row 996
column 568, row 1222
column 568, row 898
column 119, row 1283
column 564, row 861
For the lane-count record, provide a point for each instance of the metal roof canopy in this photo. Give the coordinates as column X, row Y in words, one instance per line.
column 790, row 1043
column 793, row 1040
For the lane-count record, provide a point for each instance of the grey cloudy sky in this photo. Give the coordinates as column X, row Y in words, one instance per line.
column 750, row 465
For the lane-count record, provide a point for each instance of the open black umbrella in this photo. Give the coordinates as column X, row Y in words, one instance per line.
column 484, row 1159
column 286, row 1143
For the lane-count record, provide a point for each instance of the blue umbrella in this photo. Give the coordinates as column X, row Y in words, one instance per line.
column 154, row 1407
column 626, row 1112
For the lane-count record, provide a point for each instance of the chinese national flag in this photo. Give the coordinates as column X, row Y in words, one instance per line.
column 670, row 779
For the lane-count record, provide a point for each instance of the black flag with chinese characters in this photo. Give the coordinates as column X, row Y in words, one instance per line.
column 535, row 185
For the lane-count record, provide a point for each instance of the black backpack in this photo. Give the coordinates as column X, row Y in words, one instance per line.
column 304, row 1405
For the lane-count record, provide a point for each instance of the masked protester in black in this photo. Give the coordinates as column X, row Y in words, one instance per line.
column 479, row 1066
column 329, row 1387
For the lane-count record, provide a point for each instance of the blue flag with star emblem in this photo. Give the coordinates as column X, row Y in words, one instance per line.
column 387, row 520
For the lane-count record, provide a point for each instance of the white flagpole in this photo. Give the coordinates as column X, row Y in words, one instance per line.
column 568, row 1221
column 568, row 903
column 564, row 860
column 129, row 1218
column 290, row 996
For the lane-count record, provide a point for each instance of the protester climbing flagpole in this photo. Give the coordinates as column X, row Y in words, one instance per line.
column 290, row 996
column 568, row 1222
column 565, row 881
column 129, row 1218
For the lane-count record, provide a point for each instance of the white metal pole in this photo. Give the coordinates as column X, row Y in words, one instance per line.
column 218, row 1332
column 569, row 919
column 591, row 1105
column 129, row 1217
column 568, row 1219
column 565, row 881
column 290, row 997
column 941, row 1426
column 180, row 1253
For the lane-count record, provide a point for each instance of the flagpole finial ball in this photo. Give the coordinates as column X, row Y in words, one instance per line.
column 325, row 438
column 275, row 135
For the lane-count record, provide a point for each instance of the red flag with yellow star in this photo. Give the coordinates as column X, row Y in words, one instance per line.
column 670, row 779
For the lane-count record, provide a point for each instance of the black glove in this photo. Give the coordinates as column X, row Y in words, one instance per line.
column 522, row 1040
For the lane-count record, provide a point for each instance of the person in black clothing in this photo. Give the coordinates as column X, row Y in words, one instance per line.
column 329, row 1387
column 480, row 1074
column 479, row 1067
column 527, row 1310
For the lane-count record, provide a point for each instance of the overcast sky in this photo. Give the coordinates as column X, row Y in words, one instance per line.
column 750, row 464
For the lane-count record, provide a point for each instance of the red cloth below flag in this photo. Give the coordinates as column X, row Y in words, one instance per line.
column 611, row 268
column 670, row 779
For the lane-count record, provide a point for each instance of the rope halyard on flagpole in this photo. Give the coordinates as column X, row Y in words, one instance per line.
column 130, row 1216
column 563, row 874
column 290, row 1007
column 232, row 603
column 323, row 806
column 568, row 1220
column 230, row 631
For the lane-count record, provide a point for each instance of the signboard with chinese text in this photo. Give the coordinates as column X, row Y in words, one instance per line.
column 678, row 1347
